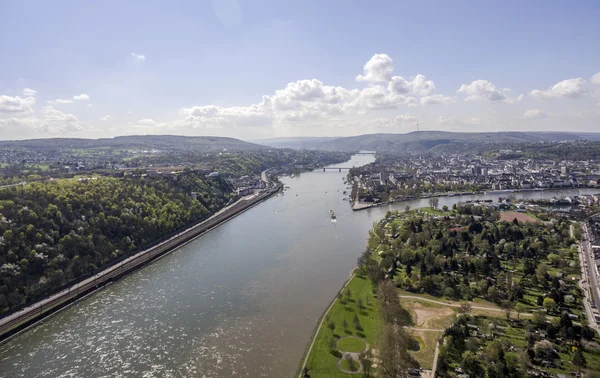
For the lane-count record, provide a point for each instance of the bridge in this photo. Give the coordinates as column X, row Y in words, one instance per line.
column 339, row 169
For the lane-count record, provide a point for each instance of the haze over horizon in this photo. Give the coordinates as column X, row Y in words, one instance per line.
column 302, row 68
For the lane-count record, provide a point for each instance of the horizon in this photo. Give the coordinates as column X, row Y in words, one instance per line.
column 274, row 70
column 255, row 141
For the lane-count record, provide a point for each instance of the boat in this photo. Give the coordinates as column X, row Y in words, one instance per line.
column 332, row 214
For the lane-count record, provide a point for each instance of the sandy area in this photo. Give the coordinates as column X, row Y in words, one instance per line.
column 521, row 217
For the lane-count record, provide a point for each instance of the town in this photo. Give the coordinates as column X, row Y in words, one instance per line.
column 398, row 178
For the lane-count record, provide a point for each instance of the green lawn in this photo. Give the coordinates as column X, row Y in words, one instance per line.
column 346, row 365
column 351, row 344
column 322, row 363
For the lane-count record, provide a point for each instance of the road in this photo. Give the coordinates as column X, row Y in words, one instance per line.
column 589, row 276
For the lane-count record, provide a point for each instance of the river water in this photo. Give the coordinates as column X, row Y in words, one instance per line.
column 239, row 301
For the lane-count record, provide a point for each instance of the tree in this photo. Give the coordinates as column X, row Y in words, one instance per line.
column 331, row 325
column 360, row 304
column 406, row 208
column 351, row 363
column 365, row 361
column 345, row 324
column 507, row 306
column 445, row 208
column 389, row 304
column 356, row 322
column 579, row 359
column 393, row 351
column 465, row 308
column 549, row 304
column 520, row 308
column 539, row 318
column 472, row 364
column 543, row 349
column 331, row 344
column 434, row 202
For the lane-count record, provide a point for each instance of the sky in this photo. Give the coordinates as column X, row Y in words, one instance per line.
column 271, row 68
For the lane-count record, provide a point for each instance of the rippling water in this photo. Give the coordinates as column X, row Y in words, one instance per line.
column 240, row 301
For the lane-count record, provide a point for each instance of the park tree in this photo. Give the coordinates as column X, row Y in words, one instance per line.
column 472, row 364
column 579, row 358
column 544, row 349
column 393, row 351
column 356, row 322
column 520, row 308
column 434, row 202
column 549, row 304
column 507, row 306
column 351, row 363
column 539, row 318
column 331, row 326
column 465, row 308
column 365, row 361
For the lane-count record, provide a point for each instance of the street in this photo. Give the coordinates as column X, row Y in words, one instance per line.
column 589, row 281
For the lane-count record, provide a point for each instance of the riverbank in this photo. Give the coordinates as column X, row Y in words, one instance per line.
column 24, row 318
column 357, row 205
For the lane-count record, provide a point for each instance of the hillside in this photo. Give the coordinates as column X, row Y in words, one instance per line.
column 159, row 142
column 437, row 140
column 294, row 142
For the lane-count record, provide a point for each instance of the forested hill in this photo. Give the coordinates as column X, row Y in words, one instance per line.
column 437, row 140
column 52, row 233
column 159, row 142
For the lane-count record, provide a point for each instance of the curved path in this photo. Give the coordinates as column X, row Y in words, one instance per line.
column 458, row 305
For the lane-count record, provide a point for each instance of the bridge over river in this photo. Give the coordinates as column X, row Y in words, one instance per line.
column 339, row 169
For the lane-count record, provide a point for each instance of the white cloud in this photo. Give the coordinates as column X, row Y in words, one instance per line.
column 418, row 85
column 404, row 119
column 137, row 58
column 535, row 113
column 106, row 118
column 16, row 104
column 146, row 122
column 454, row 121
column 28, row 92
column 378, row 69
column 483, row 90
column 52, row 121
column 438, row 99
column 595, row 79
column 60, row 101
column 570, row 88
column 81, row 97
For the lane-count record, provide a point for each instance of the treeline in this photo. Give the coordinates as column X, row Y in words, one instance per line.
column 52, row 233
column 574, row 150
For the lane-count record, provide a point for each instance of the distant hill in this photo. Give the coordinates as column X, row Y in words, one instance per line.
column 437, row 140
column 159, row 142
column 293, row 142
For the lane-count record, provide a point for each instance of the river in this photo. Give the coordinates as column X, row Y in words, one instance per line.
column 240, row 301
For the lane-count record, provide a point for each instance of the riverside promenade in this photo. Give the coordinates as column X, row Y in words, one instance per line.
column 21, row 319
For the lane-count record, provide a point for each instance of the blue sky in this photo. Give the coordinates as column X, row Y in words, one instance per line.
column 255, row 69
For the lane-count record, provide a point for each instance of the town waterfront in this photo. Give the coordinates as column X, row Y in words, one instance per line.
column 241, row 300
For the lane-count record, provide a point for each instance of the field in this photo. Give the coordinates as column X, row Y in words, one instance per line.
column 321, row 362
column 509, row 216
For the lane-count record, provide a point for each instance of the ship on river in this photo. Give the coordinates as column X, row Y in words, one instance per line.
column 332, row 215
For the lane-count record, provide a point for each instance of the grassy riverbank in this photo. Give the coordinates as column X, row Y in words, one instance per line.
column 321, row 362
